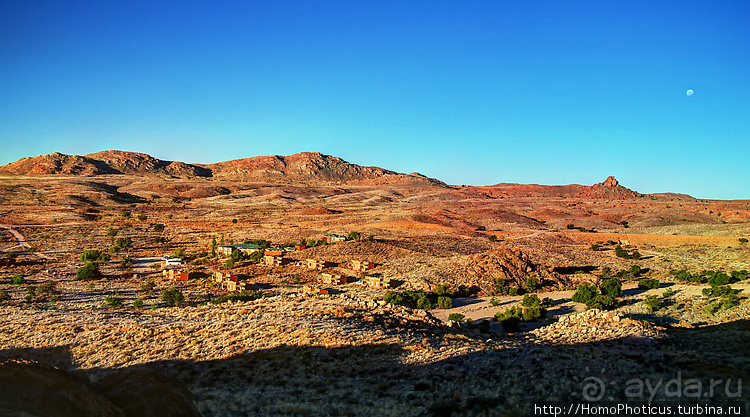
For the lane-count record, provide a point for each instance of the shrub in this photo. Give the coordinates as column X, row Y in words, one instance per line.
column 353, row 236
column 718, row 291
column 123, row 242
column 513, row 291
column 652, row 303
column 113, row 302
column 584, row 293
column 124, row 213
column 88, row 272
column 492, row 238
column 141, row 217
column 423, row 303
column 611, row 287
column 501, row 286
column 442, row 289
column 530, row 300
column 229, row 264
column 47, row 288
column 4, row 296
column 158, row 227
column 717, row 278
column 481, row 228
column 743, row 240
column 510, row 318
column 532, row 283
column 393, row 297
column 172, row 296
column 138, row 303
column 90, row 255
column 739, row 275
column 635, row 270
column 648, row 283
column 456, row 317
column 494, row 302
column 112, row 233
column 17, row 280
column 602, row 302
column 31, row 290
column 180, row 252
column 444, row 302
column 595, row 247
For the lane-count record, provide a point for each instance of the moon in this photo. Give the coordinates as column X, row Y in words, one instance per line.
column 689, row 92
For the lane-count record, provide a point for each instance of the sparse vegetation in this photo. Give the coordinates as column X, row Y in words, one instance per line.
column 648, row 283
column 88, row 272
column 113, row 302
column 172, row 296
column 653, row 303
column 456, row 317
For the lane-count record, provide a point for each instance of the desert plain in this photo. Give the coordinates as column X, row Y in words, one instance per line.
column 420, row 331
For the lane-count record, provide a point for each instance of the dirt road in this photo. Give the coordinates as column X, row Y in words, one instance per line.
column 21, row 240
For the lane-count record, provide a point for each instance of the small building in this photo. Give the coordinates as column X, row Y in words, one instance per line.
column 361, row 266
column 247, row 249
column 237, row 285
column 300, row 247
column 175, row 275
column 318, row 264
column 220, row 277
column 314, row 290
column 273, row 252
column 378, row 282
column 332, row 238
column 269, row 260
column 332, row 279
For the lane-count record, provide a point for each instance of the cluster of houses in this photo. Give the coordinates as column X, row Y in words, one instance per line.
column 275, row 257
column 230, row 282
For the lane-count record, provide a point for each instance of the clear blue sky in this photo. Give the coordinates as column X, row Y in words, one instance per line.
column 470, row 92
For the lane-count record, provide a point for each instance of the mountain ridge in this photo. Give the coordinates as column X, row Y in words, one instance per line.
column 303, row 167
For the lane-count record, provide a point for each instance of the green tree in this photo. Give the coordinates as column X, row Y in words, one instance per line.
column 172, row 296
column 353, row 236
column 532, row 283
column 444, row 302
column 584, row 293
column 611, row 287
column 456, row 317
column 88, row 272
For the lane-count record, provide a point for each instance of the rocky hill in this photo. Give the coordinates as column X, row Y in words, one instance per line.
column 609, row 188
column 305, row 167
column 101, row 163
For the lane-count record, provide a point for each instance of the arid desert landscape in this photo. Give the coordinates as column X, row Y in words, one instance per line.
column 307, row 285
